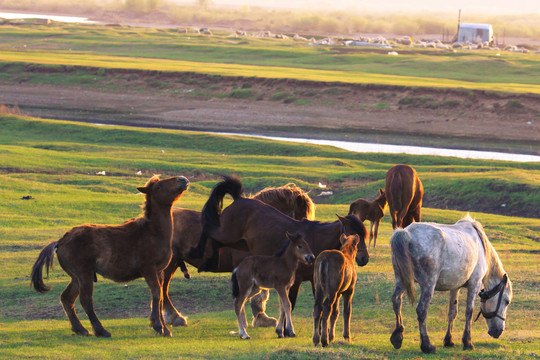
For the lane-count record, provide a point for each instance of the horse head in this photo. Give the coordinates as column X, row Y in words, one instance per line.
column 301, row 247
column 162, row 192
column 494, row 304
column 351, row 225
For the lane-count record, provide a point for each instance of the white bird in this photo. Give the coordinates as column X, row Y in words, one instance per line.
column 139, row 172
column 101, row 173
column 322, row 186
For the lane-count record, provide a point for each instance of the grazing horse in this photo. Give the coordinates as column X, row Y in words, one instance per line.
column 334, row 276
column 289, row 199
column 140, row 247
column 372, row 211
column 404, row 192
column 448, row 258
column 260, row 228
column 259, row 272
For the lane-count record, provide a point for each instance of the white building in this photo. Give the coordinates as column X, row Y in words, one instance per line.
column 475, row 33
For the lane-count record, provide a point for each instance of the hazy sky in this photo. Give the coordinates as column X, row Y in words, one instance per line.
column 467, row 6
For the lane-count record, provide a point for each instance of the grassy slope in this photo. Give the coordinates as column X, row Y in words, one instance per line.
column 55, row 162
column 167, row 50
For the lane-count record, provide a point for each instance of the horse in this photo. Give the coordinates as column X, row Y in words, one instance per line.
column 289, row 199
column 259, row 272
column 334, row 276
column 140, row 247
column 259, row 228
column 448, row 258
column 404, row 192
column 372, row 211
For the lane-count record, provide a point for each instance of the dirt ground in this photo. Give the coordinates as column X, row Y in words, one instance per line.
column 384, row 114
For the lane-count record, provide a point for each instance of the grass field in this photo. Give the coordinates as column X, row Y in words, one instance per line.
column 167, row 50
column 56, row 163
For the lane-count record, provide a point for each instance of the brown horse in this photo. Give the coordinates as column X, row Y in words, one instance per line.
column 260, row 228
column 404, row 192
column 259, row 272
column 334, row 275
column 372, row 211
column 140, row 247
column 289, row 199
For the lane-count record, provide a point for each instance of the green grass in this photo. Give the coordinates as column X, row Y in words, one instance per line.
column 105, row 47
column 56, row 163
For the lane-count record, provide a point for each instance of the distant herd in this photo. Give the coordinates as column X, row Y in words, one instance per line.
column 271, row 240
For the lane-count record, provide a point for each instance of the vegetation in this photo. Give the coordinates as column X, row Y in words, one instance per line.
column 83, row 54
column 285, row 21
column 56, row 164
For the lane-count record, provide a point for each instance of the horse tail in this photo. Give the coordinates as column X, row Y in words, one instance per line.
column 212, row 210
column 45, row 259
column 402, row 262
column 235, row 287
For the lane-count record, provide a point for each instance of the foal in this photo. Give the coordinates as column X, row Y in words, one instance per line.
column 334, row 275
column 259, row 272
column 140, row 247
column 372, row 211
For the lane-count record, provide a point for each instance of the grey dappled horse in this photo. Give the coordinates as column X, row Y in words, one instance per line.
column 448, row 258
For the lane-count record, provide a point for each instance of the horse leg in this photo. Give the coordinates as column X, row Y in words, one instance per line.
column 86, row 290
column 170, row 314
column 397, row 336
column 258, row 307
column 286, row 307
column 421, row 312
column 376, row 233
column 333, row 318
column 317, row 312
column 452, row 312
column 347, row 310
column 371, row 223
column 327, row 309
column 155, row 283
column 293, row 292
column 472, row 290
column 239, row 308
column 68, row 297
column 211, row 263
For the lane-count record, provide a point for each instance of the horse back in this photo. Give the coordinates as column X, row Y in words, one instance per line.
column 333, row 272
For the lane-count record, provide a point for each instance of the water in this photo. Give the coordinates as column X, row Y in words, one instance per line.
column 69, row 19
column 404, row 149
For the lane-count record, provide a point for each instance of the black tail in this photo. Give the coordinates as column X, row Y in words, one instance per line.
column 212, row 210
column 45, row 258
column 235, row 288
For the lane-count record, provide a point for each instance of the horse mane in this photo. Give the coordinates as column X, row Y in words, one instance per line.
column 358, row 226
column 147, row 205
column 283, row 249
column 492, row 259
column 290, row 195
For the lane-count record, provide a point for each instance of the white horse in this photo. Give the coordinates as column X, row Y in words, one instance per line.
column 448, row 258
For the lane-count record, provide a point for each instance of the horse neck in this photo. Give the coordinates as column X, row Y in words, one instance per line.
column 349, row 252
column 289, row 259
column 321, row 236
column 160, row 220
column 495, row 270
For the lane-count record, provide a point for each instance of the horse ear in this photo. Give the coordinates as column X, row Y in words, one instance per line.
column 343, row 239
column 342, row 219
column 144, row 189
column 381, row 191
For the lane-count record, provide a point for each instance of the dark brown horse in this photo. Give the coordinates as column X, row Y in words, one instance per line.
column 372, row 211
column 140, row 247
column 404, row 192
column 260, row 228
column 334, row 276
column 289, row 199
column 259, row 272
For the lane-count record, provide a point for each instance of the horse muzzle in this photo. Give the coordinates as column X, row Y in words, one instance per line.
column 495, row 333
column 309, row 258
column 183, row 182
column 362, row 261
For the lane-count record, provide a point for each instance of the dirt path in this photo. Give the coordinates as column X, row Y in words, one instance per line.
column 449, row 118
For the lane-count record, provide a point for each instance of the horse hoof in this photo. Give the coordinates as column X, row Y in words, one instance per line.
column 430, row 349
column 103, row 333
column 290, row 334
column 324, row 344
column 396, row 339
column 449, row 343
column 468, row 347
column 82, row 332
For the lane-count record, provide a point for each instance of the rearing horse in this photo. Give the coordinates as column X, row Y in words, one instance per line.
column 260, row 228
column 448, row 258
